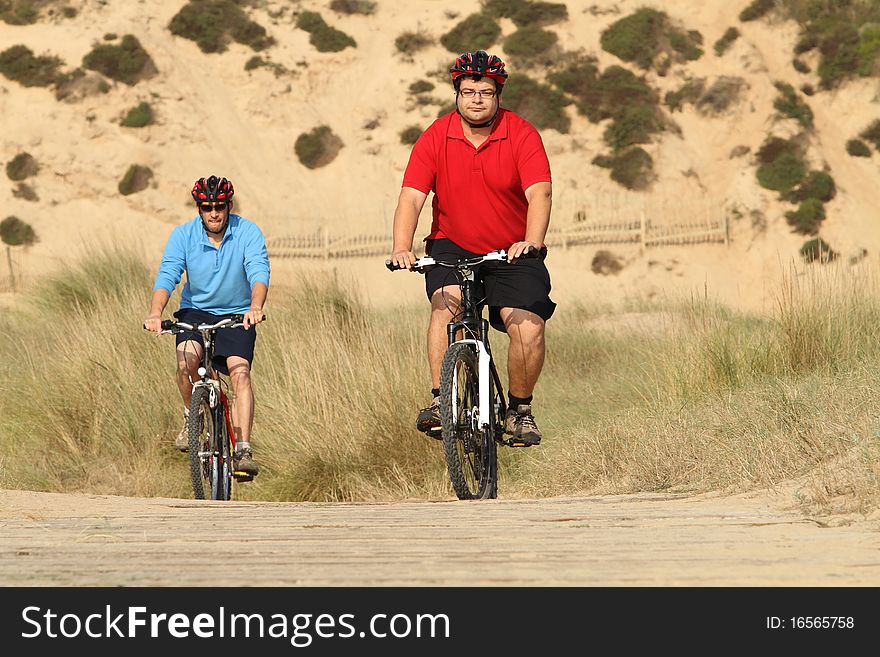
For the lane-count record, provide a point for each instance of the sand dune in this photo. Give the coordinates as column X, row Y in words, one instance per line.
column 213, row 116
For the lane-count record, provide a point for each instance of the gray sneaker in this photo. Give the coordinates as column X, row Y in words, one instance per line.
column 243, row 464
column 520, row 424
column 182, row 440
column 428, row 420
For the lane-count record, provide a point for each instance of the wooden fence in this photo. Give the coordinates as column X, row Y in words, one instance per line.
column 321, row 244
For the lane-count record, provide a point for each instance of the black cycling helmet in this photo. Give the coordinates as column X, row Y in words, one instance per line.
column 212, row 190
column 478, row 63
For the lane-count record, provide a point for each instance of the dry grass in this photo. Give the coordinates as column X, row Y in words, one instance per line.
column 706, row 399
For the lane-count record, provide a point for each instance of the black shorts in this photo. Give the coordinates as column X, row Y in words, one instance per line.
column 229, row 342
column 524, row 284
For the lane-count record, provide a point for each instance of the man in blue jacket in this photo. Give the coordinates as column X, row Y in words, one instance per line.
column 227, row 273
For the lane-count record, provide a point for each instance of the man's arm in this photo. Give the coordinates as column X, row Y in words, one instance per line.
column 540, row 200
column 406, row 220
column 153, row 322
column 259, row 292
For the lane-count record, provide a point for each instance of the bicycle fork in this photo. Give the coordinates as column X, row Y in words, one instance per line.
column 481, row 415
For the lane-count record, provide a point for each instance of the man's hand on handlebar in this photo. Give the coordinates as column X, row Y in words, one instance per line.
column 518, row 249
column 252, row 317
column 154, row 323
column 404, row 259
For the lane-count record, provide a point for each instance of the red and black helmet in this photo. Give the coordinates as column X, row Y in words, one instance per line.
column 480, row 63
column 213, row 189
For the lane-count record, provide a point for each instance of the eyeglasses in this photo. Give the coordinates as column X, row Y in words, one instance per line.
column 207, row 207
column 470, row 93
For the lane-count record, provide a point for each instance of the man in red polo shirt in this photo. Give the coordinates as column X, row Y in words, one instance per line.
column 490, row 176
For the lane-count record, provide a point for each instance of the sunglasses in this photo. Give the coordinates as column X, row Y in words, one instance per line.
column 207, row 207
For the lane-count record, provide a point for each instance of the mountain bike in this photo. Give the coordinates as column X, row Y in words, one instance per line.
column 209, row 425
column 472, row 402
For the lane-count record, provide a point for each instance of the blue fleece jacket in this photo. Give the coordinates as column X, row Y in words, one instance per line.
column 218, row 280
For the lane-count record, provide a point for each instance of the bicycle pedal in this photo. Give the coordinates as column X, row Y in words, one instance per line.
column 514, row 443
column 242, row 477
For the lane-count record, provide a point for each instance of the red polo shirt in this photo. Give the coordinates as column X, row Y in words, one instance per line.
column 479, row 200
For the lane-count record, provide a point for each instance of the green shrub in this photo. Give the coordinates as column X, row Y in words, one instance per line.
column 782, row 164
column 139, row 116
column 538, row 103
column 318, row 147
column 69, row 12
column 847, row 35
column 686, row 44
column 524, row 12
column 476, row 32
column 872, row 134
column 409, row 135
column 21, row 12
column 869, row 45
column 22, row 166
column 15, row 232
column 136, row 179
column 421, row 87
column 807, row 218
column 633, row 124
column 800, row 66
column 529, row 41
column 788, row 104
column 633, row 169
column 259, row 62
column 410, row 42
column 128, row 62
column 817, row 249
column 321, row 35
column 635, row 38
column 363, row 7
column 19, row 63
column 858, row 148
column 818, row 185
column 212, row 24
column 25, row 191
column 756, row 10
column 597, row 96
column 730, row 35
column 689, row 92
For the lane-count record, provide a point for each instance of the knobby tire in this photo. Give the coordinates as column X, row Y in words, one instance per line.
column 201, row 430
column 471, row 456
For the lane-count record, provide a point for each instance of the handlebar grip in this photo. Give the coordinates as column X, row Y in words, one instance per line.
column 532, row 252
column 167, row 324
column 391, row 266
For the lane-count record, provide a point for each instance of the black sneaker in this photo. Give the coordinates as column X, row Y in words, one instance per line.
column 520, row 423
column 243, row 463
column 429, row 420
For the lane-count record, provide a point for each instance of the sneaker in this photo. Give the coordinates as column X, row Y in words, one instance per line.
column 429, row 420
column 182, row 440
column 243, row 463
column 520, row 423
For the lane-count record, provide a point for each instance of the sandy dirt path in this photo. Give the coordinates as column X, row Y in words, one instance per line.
column 647, row 540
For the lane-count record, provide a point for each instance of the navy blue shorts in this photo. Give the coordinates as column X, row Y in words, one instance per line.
column 229, row 342
column 524, row 284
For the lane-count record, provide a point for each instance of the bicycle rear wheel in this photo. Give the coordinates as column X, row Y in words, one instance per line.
column 471, row 457
column 203, row 453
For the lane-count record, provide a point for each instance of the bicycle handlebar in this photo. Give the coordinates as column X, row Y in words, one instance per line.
column 233, row 321
column 426, row 262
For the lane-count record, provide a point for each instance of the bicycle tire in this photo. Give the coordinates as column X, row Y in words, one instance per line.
column 471, row 456
column 202, row 435
column 223, row 486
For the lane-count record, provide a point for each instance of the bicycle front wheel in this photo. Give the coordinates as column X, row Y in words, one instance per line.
column 203, row 440
column 470, row 452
